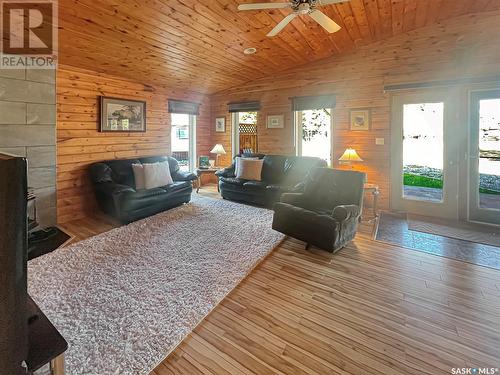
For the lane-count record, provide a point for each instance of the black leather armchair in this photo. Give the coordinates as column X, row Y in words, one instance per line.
column 327, row 213
column 114, row 188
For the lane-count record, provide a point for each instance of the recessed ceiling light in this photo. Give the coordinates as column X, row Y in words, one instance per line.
column 249, row 51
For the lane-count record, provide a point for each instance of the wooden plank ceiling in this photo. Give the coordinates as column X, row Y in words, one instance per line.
column 198, row 44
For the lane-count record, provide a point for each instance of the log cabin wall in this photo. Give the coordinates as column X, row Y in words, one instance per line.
column 79, row 143
column 466, row 46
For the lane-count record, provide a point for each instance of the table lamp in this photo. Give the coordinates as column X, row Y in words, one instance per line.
column 218, row 150
column 349, row 156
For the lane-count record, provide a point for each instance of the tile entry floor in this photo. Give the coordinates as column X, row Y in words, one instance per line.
column 393, row 228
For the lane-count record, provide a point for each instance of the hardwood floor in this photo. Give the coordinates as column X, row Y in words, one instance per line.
column 372, row 308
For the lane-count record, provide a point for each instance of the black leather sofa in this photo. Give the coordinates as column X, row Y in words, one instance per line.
column 326, row 213
column 114, row 187
column 280, row 174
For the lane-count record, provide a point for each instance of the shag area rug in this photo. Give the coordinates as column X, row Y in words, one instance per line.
column 126, row 298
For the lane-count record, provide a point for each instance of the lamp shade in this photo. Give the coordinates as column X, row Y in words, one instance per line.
column 349, row 155
column 218, row 149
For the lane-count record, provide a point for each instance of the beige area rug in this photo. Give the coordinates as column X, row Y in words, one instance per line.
column 472, row 232
column 126, row 298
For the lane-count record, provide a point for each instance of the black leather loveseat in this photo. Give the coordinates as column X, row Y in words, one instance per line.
column 114, row 187
column 280, row 174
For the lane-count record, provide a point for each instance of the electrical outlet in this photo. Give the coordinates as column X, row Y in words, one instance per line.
column 379, row 141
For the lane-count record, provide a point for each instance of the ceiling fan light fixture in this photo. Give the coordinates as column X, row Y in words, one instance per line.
column 299, row 7
column 249, row 51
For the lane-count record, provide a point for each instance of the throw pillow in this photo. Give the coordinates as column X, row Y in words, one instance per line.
column 249, row 169
column 236, row 167
column 138, row 176
column 157, row 175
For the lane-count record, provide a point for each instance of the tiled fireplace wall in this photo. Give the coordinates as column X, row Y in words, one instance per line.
column 28, row 128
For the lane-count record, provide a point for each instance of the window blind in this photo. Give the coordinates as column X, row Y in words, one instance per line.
column 304, row 103
column 184, row 107
column 244, row 107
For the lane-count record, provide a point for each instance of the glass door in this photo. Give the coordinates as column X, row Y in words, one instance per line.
column 183, row 140
column 484, row 157
column 424, row 174
column 314, row 133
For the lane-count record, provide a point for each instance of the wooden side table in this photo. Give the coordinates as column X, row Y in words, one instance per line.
column 374, row 190
column 200, row 172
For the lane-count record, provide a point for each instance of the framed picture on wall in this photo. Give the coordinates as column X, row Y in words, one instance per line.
column 275, row 121
column 122, row 115
column 220, row 124
column 360, row 119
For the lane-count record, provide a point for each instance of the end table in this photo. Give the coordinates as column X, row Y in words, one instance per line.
column 200, row 172
column 374, row 190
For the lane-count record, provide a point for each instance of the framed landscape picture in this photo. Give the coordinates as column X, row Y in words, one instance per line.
column 122, row 115
column 360, row 119
column 220, row 124
column 275, row 121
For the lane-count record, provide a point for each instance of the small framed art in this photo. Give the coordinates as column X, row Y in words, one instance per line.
column 275, row 121
column 220, row 124
column 360, row 119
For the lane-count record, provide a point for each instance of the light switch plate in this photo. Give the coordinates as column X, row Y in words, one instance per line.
column 380, row 141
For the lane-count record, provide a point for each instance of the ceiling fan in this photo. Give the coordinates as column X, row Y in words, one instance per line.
column 299, row 7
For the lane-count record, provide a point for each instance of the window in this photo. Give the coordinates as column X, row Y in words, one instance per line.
column 183, row 136
column 245, row 133
column 314, row 133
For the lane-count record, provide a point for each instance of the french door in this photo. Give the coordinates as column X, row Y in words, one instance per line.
column 484, row 157
column 424, row 170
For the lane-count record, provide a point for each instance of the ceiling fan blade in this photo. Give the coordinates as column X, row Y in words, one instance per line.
column 257, row 6
column 326, row 22
column 328, row 2
column 280, row 26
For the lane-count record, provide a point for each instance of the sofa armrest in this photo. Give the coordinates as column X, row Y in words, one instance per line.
column 295, row 199
column 184, row 176
column 112, row 188
column 226, row 172
column 346, row 212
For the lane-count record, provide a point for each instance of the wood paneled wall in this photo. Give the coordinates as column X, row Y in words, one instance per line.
column 462, row 47
column 79, row 143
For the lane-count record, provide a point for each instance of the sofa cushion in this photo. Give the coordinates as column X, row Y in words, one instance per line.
column 156, row 175
column 249, row 169
column 176, row 186
column 233, row 181
column 255, row 185
column 297, row 168
column 122, row 171
column 273, row 169
column 130, row 201
column 139, row 179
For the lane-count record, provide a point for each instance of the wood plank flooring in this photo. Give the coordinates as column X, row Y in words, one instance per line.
column 372, row 308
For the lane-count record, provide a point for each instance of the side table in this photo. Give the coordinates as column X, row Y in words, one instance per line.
column 200, row 172
column 375, row 192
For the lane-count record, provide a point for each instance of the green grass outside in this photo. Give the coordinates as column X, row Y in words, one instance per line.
column 488, row 191
column 423, row 181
